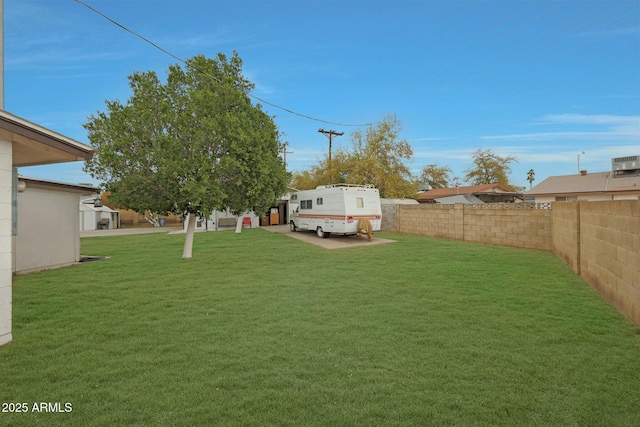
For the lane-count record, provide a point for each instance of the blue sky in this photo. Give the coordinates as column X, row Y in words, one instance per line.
column 539, row 80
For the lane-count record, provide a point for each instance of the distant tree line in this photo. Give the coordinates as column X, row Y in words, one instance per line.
column 377, row 156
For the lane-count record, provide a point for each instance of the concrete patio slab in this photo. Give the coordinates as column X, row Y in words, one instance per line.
column 334, row 241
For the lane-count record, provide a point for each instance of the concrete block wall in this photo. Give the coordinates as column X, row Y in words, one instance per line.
column 494, row 224
column 566, row 233
column 609, row 252
column 427, row 220
column 508, row 225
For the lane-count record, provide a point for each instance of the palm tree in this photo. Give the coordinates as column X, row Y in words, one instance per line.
column 531, row 176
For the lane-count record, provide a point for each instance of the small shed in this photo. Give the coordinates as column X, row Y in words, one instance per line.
column 95, row 216
column 47, row 224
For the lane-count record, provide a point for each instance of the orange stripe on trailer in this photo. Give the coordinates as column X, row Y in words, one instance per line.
column 322, row 216
column 339, row 216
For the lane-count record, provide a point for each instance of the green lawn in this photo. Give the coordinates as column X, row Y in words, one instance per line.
column 261, row 329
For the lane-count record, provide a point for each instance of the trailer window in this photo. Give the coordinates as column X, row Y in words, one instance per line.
column 319, row 200
column 305, row 204
column 359, row 202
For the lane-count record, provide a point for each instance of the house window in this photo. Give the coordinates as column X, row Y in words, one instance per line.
column 294, row 197
column 359, row 202
column 306, row 204
column 319, row 200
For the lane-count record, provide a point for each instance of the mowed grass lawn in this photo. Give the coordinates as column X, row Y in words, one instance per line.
column 261, row 329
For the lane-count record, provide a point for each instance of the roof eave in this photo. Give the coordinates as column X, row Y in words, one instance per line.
column 36, row 145
column 37, row 182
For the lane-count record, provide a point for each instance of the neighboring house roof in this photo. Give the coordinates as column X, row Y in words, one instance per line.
column 36, row 145
column 598, row 182
column 465, row 198
column 77, row 188
column 438, row 193
column 384, row 201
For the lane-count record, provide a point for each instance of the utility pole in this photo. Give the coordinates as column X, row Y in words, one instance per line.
column 285, row 152
column 330, row 134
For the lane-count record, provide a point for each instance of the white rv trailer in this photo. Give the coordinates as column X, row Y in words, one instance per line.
column 335, row 209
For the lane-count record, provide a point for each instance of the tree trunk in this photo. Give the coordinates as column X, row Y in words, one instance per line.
column 188, row 239
column 152, row 217
column 239, row 225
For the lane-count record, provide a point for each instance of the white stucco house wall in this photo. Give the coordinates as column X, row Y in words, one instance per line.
column 23, row 143
column 47, row 234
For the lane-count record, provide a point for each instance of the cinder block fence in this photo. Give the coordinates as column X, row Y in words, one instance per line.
column 600, row 240
column 607, row 251
column 517, row 225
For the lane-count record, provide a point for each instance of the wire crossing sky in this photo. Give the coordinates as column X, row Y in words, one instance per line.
column 212, row 77
column 538, row 80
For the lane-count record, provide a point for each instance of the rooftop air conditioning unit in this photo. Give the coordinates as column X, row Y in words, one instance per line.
column 622, row 164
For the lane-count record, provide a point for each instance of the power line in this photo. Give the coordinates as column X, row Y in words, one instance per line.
column 209, row 75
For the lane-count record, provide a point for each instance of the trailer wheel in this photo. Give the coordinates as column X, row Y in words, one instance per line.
column 292, row 226
column 321, row 233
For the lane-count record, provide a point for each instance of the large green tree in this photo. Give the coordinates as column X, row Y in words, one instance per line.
column 377, row 157
column 436, row 176
column 489, row 168
column 322, row 174
column 191, row 145
column 380, row 159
